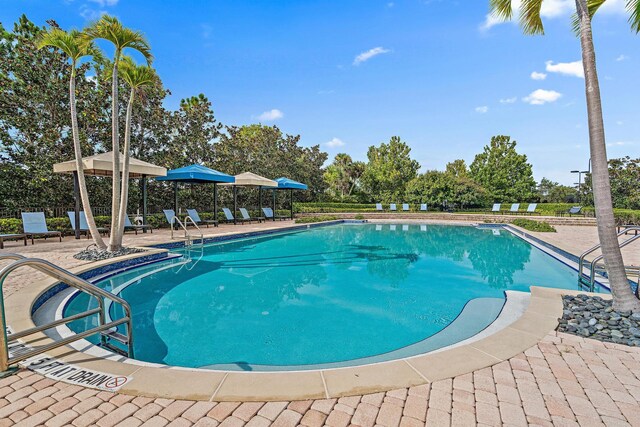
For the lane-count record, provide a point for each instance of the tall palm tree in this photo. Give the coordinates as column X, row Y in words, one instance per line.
column 137, row 78
column 110, row 29
column 76, row 47
column 531, row 23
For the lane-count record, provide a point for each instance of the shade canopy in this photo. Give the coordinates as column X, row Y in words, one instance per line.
column 289, row 184
column 197, row 174
column 102, row 165
column 248, row 179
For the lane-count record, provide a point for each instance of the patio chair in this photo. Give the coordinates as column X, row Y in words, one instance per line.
column 246, row 216
column 379, row 207
column 128, row 226
column 393, row 208
column 268, row 213
column 170, row 214
column 230, row 218
column 84, row 226
column 405, row 207
column 423, row 207
column 496, row 208
column 17, row 236
column 576, row 210
column 531, row 209
column 196, row 218
column 35, row 224
column 515, row 208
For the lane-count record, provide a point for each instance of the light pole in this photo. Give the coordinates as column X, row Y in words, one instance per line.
column 579, row 181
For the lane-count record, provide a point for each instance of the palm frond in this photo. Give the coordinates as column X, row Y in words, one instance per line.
column 592, row 6
column 136, row 76
column 111, row 29
column 633, row 7
column 530, row 19
column 501, row 9
column 72, row 43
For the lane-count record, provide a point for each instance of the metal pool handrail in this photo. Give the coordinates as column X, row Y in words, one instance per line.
column 74, row 281
column 187, row 235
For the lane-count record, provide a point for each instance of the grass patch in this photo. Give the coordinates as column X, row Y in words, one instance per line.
column 312, row 219
column 531, row 225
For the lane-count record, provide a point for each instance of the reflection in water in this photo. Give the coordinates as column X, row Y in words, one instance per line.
column 322, row 295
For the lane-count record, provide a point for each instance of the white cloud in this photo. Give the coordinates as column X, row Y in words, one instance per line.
column 271, row 115
column 509, row 100
column 566, row 68
column 482, row 110
column 103, row 3
column 91, row 14
column 542, row 96
column 334, row 143
column 622, row 58
column 365, row 56
column 538, row 76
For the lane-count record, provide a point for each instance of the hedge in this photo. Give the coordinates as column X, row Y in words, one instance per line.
column 312, row 219
column 533, row 225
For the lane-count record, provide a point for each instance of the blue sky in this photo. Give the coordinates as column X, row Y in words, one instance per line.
column 350, row 74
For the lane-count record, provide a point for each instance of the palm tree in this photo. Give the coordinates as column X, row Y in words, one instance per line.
column 137, row 78
column 110, row 29
column 76, row 47
column 531, row 23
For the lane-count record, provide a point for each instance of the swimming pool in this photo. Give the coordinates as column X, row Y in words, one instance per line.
column 325, row 297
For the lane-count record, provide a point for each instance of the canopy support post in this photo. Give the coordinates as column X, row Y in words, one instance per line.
column 260, row 201
column 215, row 201
column 175, row 197
column 235, row 204
column 274, row 205
column 76, row 196
column 144, row 202
column 291, row 197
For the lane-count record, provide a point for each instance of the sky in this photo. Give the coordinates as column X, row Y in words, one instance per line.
column 441, row 74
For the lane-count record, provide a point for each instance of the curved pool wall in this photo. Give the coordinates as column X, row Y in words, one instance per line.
column 455, row 331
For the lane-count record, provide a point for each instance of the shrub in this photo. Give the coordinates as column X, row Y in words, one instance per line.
column 359, row 216
column 532, row 225
column 312, row 219
column 10, row 226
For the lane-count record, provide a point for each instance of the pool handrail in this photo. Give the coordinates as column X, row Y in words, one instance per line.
column 72, row 280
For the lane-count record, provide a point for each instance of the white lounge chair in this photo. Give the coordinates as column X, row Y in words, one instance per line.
column 423, row 207
column 496, row 208
column 531, row 209
column 379, row 207
column 393, row 208
column 515, row 208
column 196, row 218
column 405, row 207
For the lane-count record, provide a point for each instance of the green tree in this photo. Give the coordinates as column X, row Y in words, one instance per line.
column 443, row 189
column 531, row 23
column 76, row 47
column 457, row 168
column 343, row 176
column 552, row 192
column 111, row 29
column 505, row 174
column 389, row 170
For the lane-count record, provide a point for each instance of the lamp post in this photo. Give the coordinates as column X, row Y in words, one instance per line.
column 579, row 181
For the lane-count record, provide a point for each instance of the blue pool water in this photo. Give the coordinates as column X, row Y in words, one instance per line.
column 327, row 295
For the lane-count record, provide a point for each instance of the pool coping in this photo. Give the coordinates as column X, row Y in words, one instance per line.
column 540, row 317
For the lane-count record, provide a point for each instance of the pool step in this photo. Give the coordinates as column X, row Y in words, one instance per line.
column 117, row 336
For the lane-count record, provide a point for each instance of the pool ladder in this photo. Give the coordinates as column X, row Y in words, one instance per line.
column 588, row 280
column 106, row 330
column 187, row 235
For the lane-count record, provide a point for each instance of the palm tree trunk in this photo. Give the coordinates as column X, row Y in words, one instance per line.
column 124, row 195
column 84, row 196
column 623, row 297
column 115, row 194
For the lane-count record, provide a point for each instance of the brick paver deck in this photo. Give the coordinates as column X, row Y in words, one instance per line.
column 564, row 380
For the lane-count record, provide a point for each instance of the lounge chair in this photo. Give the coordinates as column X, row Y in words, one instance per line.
column 246, row 216
column 128, row 226
column 392, row 207
column 84, row 226
column 405, row 207
column 230, row 218
column 576, row 210
column 531, row 209
column 170, row 214
column 379, row 207
column 423, row 207
column 18, row 236
column 35, row 224
column 268, row 213
column 515, row 208
column 496, row 208
column 196, row 218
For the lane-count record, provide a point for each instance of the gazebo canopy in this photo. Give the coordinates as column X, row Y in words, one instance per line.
column 197, row 174
column 289, row 184
column 102, row 165
column 248, row 179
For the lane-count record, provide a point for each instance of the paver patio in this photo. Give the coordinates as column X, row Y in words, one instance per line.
column 564, row 380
